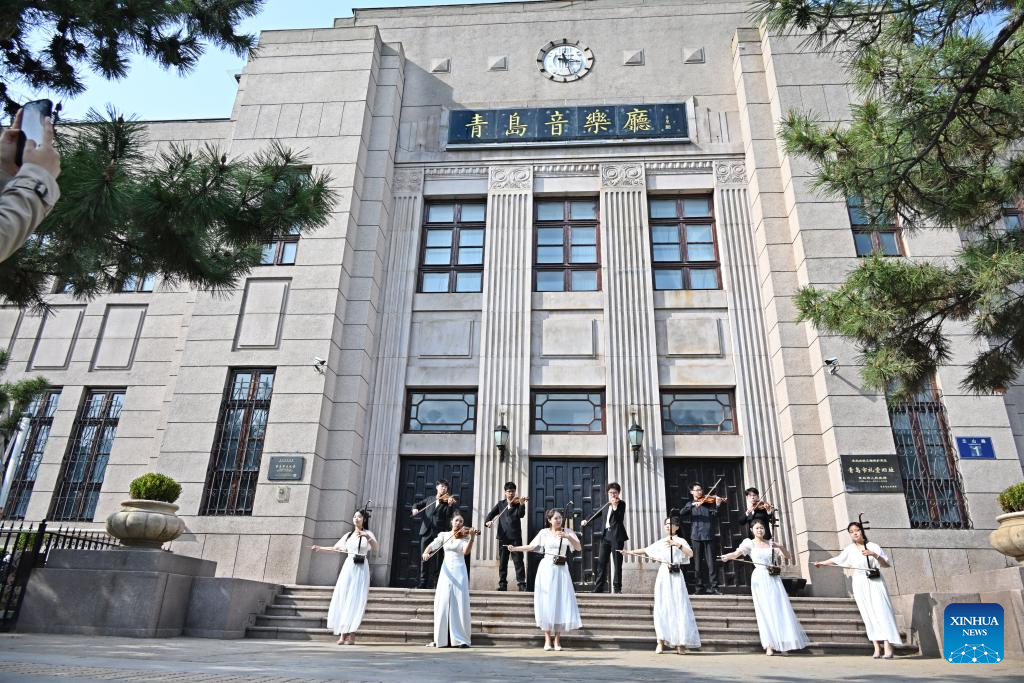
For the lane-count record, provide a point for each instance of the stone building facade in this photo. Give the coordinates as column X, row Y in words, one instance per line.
column 686, row 252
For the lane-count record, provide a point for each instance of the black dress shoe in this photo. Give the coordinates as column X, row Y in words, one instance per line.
column 503, row 588
column 522, row 588
column 714, row 591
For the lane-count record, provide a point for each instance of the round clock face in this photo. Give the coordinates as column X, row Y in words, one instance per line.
column 565, row 61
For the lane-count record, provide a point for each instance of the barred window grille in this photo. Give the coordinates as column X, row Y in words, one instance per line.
column 238, row 447
column 29, row 454
column 85, row 463
column 931, row 480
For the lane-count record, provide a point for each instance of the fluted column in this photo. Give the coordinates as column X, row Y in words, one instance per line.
column 631, row 351
column 504, row 386
column 384, row 420
column 755, row 399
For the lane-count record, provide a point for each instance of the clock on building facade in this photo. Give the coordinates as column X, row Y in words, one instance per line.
column 563, row 60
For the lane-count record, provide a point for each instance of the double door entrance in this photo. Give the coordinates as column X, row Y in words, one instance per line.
column 556, row 483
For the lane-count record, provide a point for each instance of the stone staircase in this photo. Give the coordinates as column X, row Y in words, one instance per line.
column 405, row 616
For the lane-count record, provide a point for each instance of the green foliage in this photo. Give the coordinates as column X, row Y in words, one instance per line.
column 153, row 486
column 15, row 398
column 1012, row 499
column 46, row 44
column 934, row 142
column 194, row 216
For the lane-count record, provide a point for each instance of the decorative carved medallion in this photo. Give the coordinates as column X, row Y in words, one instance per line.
column 407, row 182
column 622, row 175
column 511, row 178
column 730, row 173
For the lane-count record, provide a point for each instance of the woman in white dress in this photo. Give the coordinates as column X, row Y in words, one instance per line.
column 776, row 621
column 554, row 599
column 870, row 593
column 674, row 622
column 353, row 587
column 452, row 625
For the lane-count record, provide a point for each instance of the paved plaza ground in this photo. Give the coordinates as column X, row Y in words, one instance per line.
column 32, row 658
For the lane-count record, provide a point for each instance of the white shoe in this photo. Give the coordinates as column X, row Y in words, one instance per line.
column 547, row 647
column 431, row 645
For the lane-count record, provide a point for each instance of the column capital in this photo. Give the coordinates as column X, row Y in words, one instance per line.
column 730, row 173
column 510, row 178
column 408, row 182
column 622, row 176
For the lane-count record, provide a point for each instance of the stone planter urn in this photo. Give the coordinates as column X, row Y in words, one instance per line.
column 1009, row 537
column 145, row 523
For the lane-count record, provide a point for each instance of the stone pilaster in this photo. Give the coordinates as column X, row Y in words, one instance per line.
column 380, row 476
column 755, row 402
column 504, row 387
column 631, row 351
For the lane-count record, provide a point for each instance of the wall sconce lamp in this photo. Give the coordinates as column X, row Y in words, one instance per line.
column 635, row 434
column 501, row 437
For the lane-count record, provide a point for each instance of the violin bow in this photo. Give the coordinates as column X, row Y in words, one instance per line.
column 763, row 564
column 448, row 540
column 712, row 490
column 599, row 510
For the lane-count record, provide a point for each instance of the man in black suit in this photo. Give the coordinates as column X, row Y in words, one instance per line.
column 436, row 516
column 613, row 539
column 510, row 532
column 765, row 514
column 702, row 513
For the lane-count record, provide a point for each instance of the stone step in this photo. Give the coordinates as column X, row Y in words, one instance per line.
column 701, row 609
column 536, row 640
column 841, row 633
column 641, row 617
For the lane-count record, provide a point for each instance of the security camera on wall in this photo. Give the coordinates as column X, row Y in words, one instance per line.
column 319, row 364
column 832, row 364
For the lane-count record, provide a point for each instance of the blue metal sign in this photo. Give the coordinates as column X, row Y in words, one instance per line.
column 574, row 125
column 976, row 447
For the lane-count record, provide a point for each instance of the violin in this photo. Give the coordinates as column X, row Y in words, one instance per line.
column 518, row 500
column 465, row 531
column 448, row 498
column 710, row 499
column 763, row 505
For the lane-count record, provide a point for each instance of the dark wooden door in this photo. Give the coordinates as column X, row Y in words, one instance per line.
column 416, row 482
column 730, row 529
column 553, row 483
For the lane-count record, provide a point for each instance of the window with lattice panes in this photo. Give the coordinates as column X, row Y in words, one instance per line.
column 568, row 411
column 881, row 236
column 567, row 247
column 697, row 412
column 452, row 247
column 684, row 247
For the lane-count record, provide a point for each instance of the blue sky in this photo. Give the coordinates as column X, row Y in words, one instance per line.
column 150, row 92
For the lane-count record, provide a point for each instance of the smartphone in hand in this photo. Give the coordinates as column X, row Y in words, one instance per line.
column 32, row 117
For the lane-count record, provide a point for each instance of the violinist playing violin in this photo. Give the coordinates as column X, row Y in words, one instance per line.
column 702, row 511
column 507, row 515
column 760, row 511
column 436, row 516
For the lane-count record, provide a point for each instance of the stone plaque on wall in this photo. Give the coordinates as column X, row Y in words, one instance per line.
column 286, row 468
column 871, row 473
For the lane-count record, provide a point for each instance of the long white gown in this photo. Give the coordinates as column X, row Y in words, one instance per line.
column 452, row 625
column 348, row 602
column 554, row 599
column 776, row 621
column 871, row 595
column 674, row 622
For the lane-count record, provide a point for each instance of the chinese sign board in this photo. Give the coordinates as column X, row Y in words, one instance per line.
column 286, row 468
column 871, row 474
column 976, row 447
column 631, row 122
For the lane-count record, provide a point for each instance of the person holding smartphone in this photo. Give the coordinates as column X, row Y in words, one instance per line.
column 29, row 166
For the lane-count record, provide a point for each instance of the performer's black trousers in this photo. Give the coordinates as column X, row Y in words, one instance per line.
column 432, row 567
column 608, row 552
column 517, row 561
column 704, row 563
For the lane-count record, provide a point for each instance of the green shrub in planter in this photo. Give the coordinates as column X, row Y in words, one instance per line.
column 1012, row 499
column 153, row 486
